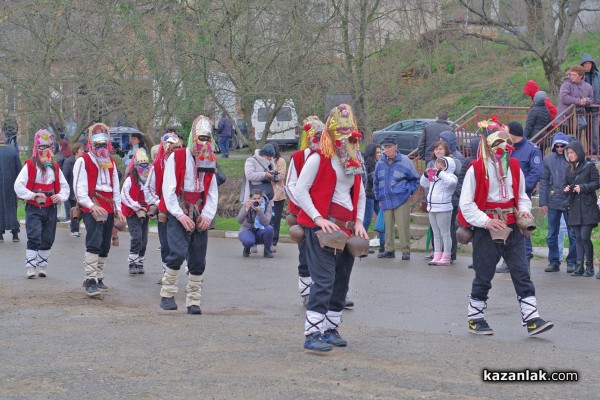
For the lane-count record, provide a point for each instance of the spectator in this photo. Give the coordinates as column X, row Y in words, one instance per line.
column 225, row 132
column 450, row 138
column 581, row 185
column 64, row 152
column 259, row 172
column 530, row 160
column 279, row 196
column 254, row 217
column 77, row 151
column 538, row 116
column 372, row 155
column 395, row 181
column 11, row 129
column 530, row 89
column 431, row 133
column 136, row 142
column 575, row 91
column 593, row 78
column 10, row 166
column 554, row 203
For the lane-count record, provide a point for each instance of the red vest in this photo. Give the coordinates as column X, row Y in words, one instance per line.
column 298, row 160
column 92, row 174
column 322, row 193
column 42, row 187
column 159, row 172
column 180, row 167
column 482, row 187
column 137, row 194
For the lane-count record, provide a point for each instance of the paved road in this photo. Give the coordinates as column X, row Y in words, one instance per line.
column 407, row 334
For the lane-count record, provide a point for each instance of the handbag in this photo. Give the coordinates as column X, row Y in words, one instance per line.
column 333, row 241
column 221, row 177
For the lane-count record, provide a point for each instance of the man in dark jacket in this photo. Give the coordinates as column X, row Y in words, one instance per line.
column 530, row 159
column 538, row 116
column 431, row 134
column 225, row 132
column 593, row 78
column 554, row 203
column 10, row 166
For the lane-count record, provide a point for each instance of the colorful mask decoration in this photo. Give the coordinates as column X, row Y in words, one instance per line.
column 497, row 148
column 141, row 163
column 341, row 136
column 43, row 147
column 200, row 144
column 99, row 144
column 169, row 142
column 491, row 125
column 311, row 133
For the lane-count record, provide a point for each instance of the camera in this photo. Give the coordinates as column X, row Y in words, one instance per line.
column 255, row 203
column 275, row 176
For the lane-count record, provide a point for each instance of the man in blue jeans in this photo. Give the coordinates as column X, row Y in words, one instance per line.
column 225, row 132
column 554, row 202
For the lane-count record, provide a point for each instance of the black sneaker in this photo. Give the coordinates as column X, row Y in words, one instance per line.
column 246, row 252
column 470, row 266
column 16, row 237
column 387, row 254
column 315, row 342
column 479, row 326
column 406, row 255
column 349, row 303
column 101, row 285
column 537, row 325
column 332, row 336
column 552, row 267
column 194, row 310
column 268, row 254
column 168, row 303
column 91, row 288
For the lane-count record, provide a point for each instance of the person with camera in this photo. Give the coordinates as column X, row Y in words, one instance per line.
column 190, row 195
column 255, row 217
column 43, row 185
column 96, row 185
column 134, row 206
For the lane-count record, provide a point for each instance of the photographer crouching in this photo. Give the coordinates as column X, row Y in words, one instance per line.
column 254, row 218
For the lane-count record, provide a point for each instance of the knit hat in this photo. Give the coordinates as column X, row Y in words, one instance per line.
column 515, row 128
column 267, row 150
column 540, row 97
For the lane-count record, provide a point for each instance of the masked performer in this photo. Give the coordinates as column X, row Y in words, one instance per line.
column 331, row 197
column 493, row 198
column 96, row 185
column 190, row 196
column 43, row 185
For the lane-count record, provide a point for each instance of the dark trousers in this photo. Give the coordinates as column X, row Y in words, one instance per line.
column 138, row 231
column 330, row 274
column 486, row 255
column 184, row 245
column 74, row 221
column 554, row 217
column 224, row 145
column 164, row 242
column 40, row 225
column 276, row 219
column 259, row 236
column 585, row 248
column 302, row 263
column 98, row 234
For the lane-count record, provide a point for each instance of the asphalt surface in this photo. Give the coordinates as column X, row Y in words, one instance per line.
column 407, row 333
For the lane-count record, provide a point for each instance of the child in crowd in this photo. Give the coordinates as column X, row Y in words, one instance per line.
column 439, row 178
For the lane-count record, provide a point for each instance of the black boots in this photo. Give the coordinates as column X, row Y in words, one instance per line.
column 578, row 271
column 589, row 269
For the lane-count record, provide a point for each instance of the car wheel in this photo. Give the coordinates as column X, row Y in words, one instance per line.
column 234, row 142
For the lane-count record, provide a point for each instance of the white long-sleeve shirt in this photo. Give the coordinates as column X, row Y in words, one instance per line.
column 47, row 178
column 472, row 214
column 292, row 178
column 341, row 193
column 189, row 185
column 80, row 183
column 150, row 188
column 126, row 199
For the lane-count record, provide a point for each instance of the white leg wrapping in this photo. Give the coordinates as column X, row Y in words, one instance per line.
column 333, row 319
column 476, row 309
column 304, row 284
column 31, row 258
column 314, row 322
column 140, row 261
column 100, row 269
column 169, row 283
column 528, row 308
column 193, row 289
column 42, row 259
column 133, row 259
column 90, row 265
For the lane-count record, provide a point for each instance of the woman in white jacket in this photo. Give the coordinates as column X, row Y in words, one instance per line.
column 439, row 178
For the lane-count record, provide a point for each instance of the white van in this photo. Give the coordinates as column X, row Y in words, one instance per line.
column 284, row 128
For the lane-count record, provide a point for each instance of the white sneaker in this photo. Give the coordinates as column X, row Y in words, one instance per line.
column 75, row 234
column 374, row 242
column 42, row 273
column 30, row 272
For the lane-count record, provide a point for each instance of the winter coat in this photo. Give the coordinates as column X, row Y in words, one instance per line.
column 553, row 179
column 537, row 118
column 224, row 127
column 530, row 159
column 593, row 78
column 431, row 134
column 441, row 186
column 394, row 181
column 571, row 93
column 583, row 207
column 531, row 88
column 255, row 171
column 450, row 138
column 67, row 170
